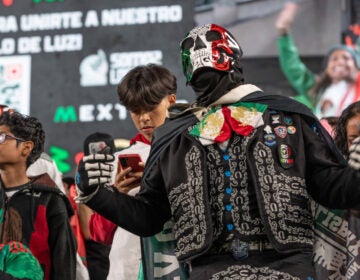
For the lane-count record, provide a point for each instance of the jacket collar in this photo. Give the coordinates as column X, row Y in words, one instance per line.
column 233, row 96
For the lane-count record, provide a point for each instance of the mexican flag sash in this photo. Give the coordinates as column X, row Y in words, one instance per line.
column 217, row 125
column 158, row 258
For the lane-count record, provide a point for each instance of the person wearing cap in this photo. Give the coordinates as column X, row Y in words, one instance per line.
column 329, row 92
column 236, row 171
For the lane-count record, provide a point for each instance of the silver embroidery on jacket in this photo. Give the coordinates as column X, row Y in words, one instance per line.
column 187, row 206
column 245, row 223
column 245, row 272
column 285, row 200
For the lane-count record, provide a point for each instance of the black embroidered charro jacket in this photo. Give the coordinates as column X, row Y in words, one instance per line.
column 252, row 187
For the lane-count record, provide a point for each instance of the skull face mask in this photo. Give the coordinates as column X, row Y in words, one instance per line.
column 210, row 46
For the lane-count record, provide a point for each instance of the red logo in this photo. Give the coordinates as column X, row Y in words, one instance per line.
column 13, row 72
column 7, row 3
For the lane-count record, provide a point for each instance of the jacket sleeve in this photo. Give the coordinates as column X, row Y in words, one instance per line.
column 330, row 181
column 101, row 229
column 296, row 72
column 144, row 214
column 61, row 240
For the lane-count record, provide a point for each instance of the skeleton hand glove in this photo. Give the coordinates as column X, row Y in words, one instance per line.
column 93, row 171
column 354, row 154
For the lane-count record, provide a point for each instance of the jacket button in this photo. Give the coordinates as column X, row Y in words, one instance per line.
column 230, row 227
column 228, row 207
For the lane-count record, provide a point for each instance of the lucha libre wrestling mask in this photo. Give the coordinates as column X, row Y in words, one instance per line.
column 210, row 46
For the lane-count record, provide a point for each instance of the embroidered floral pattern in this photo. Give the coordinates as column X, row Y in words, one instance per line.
column 219, row 123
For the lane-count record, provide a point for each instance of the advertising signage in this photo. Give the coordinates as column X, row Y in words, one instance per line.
column 61, row 61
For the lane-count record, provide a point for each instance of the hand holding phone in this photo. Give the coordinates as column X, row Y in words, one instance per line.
column 131, row 160
column 127, row 180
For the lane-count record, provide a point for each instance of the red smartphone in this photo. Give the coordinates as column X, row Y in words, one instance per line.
column 131, row 160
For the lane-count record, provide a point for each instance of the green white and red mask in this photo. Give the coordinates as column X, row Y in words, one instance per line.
column 209, row 46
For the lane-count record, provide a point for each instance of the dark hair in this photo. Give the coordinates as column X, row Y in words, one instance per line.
column 144, row 87
column 332, row 121
column 68, row 180
column 323, row 81
column 27, row 128
column 340, row 129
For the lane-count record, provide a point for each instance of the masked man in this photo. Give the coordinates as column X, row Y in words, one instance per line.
column 237, row 171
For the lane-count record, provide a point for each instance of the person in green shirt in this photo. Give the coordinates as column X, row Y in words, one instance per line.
column 327, row 93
